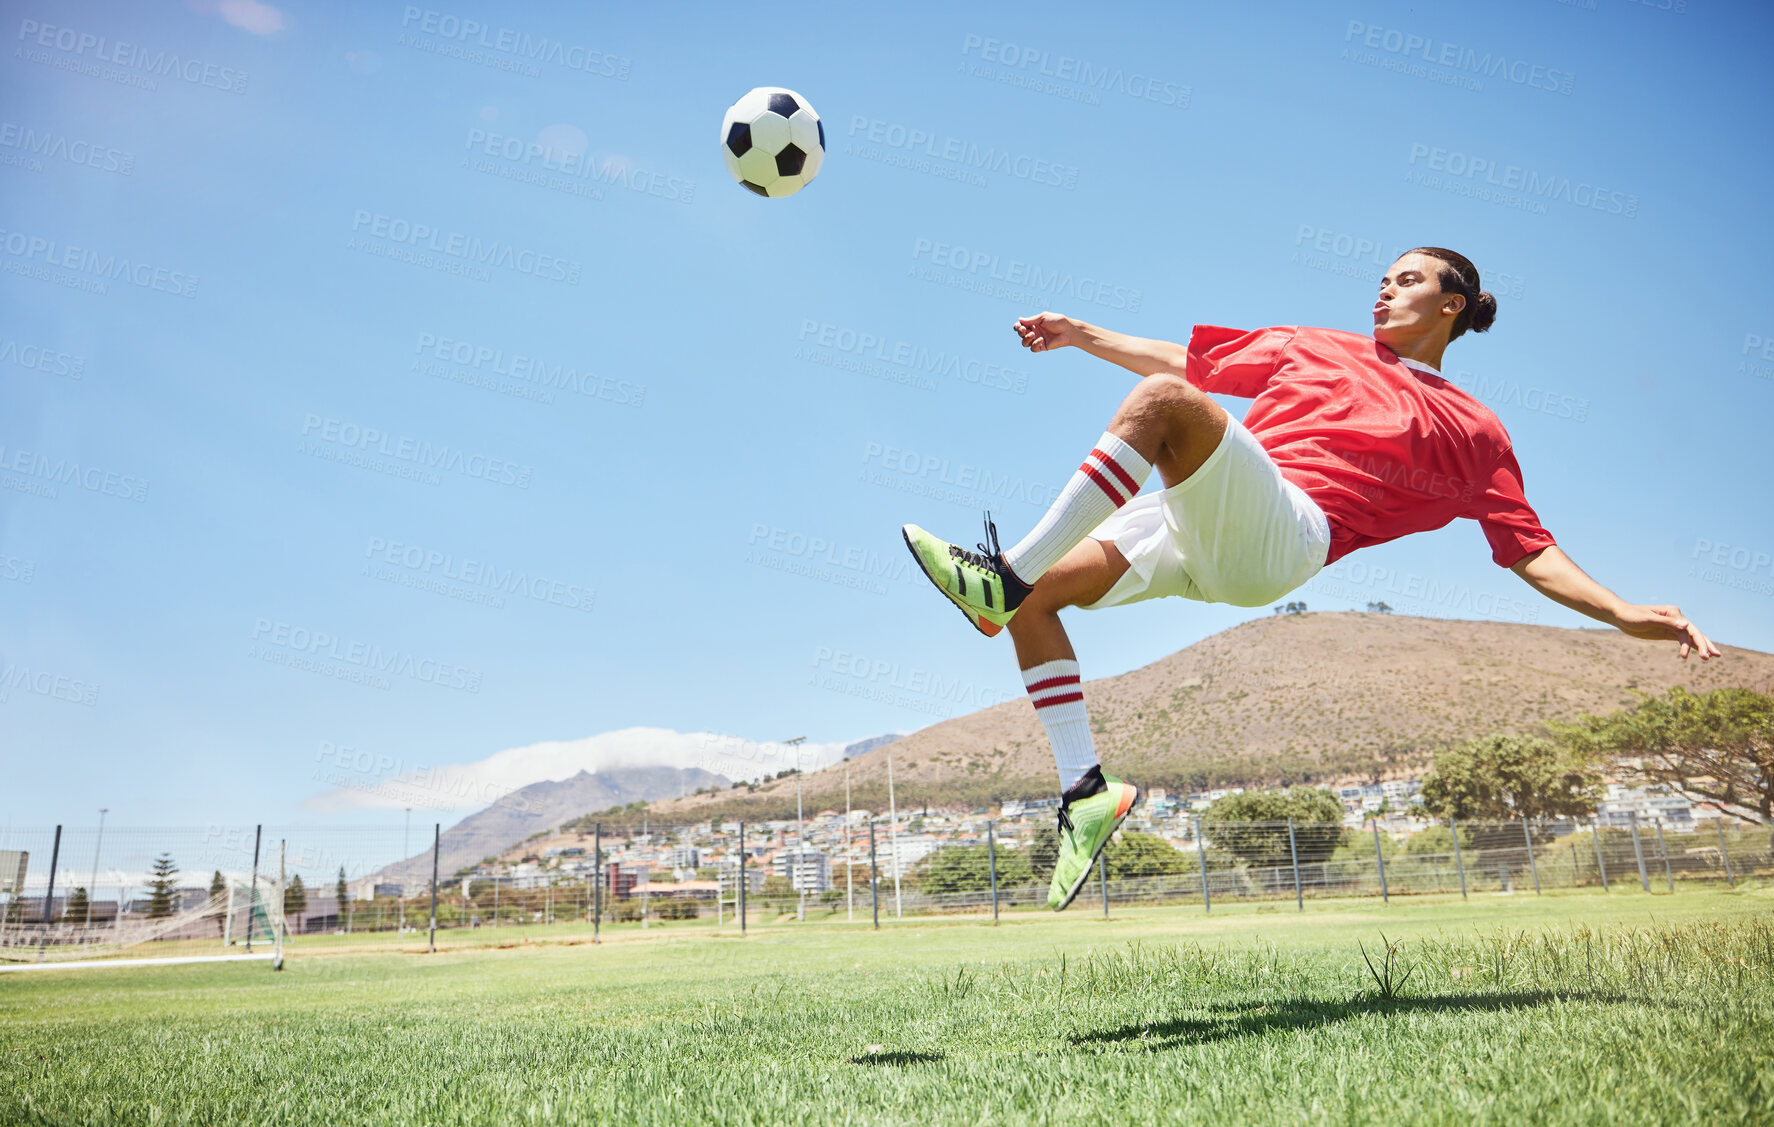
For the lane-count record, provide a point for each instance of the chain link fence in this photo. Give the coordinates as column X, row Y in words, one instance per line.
column 67, row 888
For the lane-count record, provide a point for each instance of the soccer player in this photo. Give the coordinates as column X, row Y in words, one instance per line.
column 1350, row 440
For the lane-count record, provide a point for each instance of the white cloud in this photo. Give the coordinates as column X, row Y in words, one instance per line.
column 247, row 15
column 361, row 778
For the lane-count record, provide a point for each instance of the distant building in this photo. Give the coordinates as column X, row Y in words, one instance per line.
column 1649, row 804
column 808, row 870
column 686, row 857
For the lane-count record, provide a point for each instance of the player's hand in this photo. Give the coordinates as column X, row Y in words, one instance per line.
column 1045, row 332
column 1666, row 624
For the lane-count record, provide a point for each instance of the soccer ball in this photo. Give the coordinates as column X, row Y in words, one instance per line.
column 772, row 141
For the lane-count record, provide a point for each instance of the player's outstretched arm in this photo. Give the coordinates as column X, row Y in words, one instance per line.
column 1553, row 574
column 1045, row 332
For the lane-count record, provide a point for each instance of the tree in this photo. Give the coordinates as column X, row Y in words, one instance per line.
column 1317, row 815
column 219, row 887
column 1144, row 855
column 1713, row 747
column 967, row 868
column 1501, row 776
column 161, row 886
column 342, row 896
column 295, row 897
column 78, row 905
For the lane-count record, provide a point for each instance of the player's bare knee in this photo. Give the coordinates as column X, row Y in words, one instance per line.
column 1158, row 405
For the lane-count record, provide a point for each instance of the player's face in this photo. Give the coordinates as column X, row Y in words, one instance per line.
column 1411, row 305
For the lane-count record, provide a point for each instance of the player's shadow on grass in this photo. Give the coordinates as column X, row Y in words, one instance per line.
column 898, row 1058
column 1253, row 1019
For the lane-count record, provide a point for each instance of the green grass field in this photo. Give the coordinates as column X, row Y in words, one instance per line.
column 1569, row 1009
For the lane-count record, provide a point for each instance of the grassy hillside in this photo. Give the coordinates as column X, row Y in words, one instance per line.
column 1313, row 698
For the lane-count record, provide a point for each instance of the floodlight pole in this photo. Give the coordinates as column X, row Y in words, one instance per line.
column 597, row 872
column 94, row 884
column 742, row 880
column 406, row 853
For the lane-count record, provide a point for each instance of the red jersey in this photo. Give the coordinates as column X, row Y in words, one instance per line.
column 1385, row 446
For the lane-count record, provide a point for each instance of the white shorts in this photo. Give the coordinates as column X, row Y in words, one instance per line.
column 1235, row 532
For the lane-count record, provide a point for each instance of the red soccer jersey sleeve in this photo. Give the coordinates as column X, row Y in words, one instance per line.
column 1231, row 362
column 1509, row 522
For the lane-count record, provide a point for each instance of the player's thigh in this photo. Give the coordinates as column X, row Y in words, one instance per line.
column 1081, row 577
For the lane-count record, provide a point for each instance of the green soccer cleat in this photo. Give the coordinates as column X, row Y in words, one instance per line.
column 1089, row 814
column 980, row 583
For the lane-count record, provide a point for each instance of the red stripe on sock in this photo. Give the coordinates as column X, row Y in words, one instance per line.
column 1054, row 682
column 1087, row 468
column 1063, row 698
column 1118, row 470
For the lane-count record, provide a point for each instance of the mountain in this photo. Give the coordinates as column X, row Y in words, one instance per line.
column 863, row 747
column 543, row 806
column 1307, row 698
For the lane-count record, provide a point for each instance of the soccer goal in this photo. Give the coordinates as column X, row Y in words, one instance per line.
column 245, row 912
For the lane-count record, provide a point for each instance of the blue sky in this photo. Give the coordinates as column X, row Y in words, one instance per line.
column 689, row 509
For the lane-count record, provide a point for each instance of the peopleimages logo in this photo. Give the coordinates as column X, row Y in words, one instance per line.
column 56, row 146
column 1015, row 280
column 469, row 249
column 1434, row 52
column 1091, row 79
column 341, row 441
column 464, row 35
column 96, row 266
column 481, row 581
column 1468, row 172
column 488, row 365
column 969, row 155
column 285, row 642
column 82, row 51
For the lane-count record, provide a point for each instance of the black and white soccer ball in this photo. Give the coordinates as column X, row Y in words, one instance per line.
column 772, row 141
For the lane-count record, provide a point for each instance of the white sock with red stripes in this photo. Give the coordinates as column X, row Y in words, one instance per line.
column 1058, row 695
column 1107, row 480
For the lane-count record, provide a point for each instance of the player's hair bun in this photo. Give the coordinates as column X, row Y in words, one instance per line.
column 1484, row 311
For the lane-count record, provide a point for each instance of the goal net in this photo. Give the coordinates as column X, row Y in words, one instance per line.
column 243, row 914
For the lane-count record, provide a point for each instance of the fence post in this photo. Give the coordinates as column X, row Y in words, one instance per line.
column 1532, row 865
column 992, row 865
column 874, row 877
column 1201, row 852
column 597, row 882
column 742, row 879
column 55, row 856
column 436, row 842
column 1102, row 874
column 1293, row 850
column 1719, row 824
column 1638, row 851
column 1595, row 831
column 252, row 899
column 1460, row 864
column 1668, row 878
column 1381, row 862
